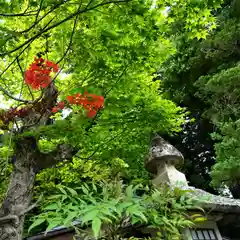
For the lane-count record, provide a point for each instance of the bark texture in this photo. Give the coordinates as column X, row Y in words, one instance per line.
column 19, row 193
column 29, row 160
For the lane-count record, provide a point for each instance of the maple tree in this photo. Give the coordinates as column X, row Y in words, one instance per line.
column 110, row 48
column 38, row 76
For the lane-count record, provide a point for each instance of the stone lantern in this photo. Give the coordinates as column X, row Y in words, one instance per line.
column 162, row 160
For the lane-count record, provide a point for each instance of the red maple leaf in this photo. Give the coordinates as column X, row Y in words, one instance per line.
column 38, row 74
column 61, row 105
column 70, row 99
column 92, row 113
column 52, row 65
column 55, row 109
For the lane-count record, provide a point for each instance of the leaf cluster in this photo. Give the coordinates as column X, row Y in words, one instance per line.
column 111, row 208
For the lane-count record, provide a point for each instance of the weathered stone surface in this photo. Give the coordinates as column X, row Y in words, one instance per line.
column 169, row 174
column 161, row 161
column 213, row 202
column 162, row 152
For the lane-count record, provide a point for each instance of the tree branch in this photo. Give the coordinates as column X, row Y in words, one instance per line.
column 41, row 18
column 12, row 97
column 47, row 160
column 45, row 29
column 9, row 218
column 93, row 122
column 59, row 23
column 32, row 206
column 103, row 144
column 70, row 41
column 15, row 218
column 22, row 72
column 118, row 79
column 5, row 91
column 23, row 14
column 30, row 13
column 9, row 65
column 38, row 12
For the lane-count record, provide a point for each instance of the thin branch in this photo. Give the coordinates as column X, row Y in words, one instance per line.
column 99, row 147
column 119, row 7
column 17, row 14
column 10, row 64
column 88, row 76
column 29, row 41
column 38, row 12
column 64, row 55
column 32, row 124
column 20, row 94
column 119, row 78
column 101, row 11
column 68, row 48
column 12, row 97
column 9, row 218
column 61, row 153
column 89, row 3
column 70, row 41
column 22, row 72
column 45, row 29
column 41, row 18
column 23, row 14
column 5, row 91
column 32, row 206
column 61, row 22
column 15, row 218
column 37, row 21
column 94, row 152
column 93, row 122
column 18, row 99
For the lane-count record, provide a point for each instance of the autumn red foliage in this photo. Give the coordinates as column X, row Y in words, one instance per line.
column 8, row 116
column 90, row 102
column 38, row 74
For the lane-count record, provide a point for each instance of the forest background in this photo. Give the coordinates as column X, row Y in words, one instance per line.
column 107, row 75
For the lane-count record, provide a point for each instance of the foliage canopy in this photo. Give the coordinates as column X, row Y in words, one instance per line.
column 109, row 48
column 204, row 76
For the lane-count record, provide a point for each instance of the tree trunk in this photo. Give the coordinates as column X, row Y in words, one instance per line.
column 29, row 160
column 19, row 193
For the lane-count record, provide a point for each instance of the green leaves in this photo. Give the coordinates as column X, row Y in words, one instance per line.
column 90, row 208
column 204, row 77
column 52, row 206
column 226, row 169
column 117, row 49
column 96, row 226
column 36, row 223
column 198, row 218
column 53, row 222
column 129, row 191
column 89, row 216
column 71, row 215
